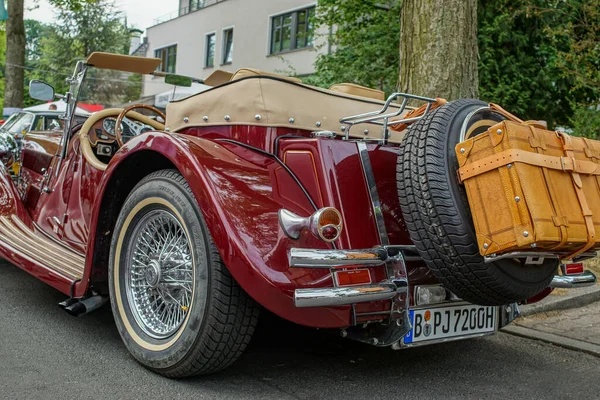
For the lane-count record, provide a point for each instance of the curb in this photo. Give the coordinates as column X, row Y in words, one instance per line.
column 589, row 295
column 561, row 341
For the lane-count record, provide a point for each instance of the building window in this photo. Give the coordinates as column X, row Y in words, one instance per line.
column 227, row 46
column 168, row 55
column 292, row 31
column 211, row 41
column 195, row 5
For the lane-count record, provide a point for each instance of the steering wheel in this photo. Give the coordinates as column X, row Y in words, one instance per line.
column 84, row 139
column 118, row 133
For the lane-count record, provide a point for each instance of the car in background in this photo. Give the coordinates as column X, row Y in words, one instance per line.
column 40, row 121
column 23, row 122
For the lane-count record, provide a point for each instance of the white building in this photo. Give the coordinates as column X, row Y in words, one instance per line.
column 205, row 35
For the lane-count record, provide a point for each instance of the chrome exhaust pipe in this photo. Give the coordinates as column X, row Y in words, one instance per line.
column 86, row 306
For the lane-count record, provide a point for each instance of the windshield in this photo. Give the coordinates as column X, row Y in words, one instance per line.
column 104, row 89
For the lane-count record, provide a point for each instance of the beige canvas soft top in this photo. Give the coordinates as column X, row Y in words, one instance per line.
column 268, row 100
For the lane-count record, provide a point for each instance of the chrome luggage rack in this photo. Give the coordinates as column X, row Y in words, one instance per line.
column 382, row 117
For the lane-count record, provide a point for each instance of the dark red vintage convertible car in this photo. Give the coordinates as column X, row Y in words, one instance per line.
column 261, row 192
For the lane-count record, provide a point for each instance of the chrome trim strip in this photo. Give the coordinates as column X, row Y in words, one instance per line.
column 574, row 281
column 309, row 258
column 532, row 255
column 365, row 161
column 20, row 237
column 27, row 249
column 340, row 296
column 59, row 249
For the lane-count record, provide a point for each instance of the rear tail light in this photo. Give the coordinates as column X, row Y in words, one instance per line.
column 430, row 295
column 572, row 269
column 326, row 224
column 353, row 277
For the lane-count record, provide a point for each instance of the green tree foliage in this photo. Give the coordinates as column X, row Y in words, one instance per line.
column 35, row 31
column 538, row 58
column 73, row 5
column 54, row 49
column 95, row 26
column 366, row 39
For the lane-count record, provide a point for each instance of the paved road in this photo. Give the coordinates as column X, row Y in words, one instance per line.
column 45, row 353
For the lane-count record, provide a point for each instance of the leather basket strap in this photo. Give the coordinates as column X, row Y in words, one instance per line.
column 500, row 110
column 539, row 146
column 506, row 157
column 578, row 185
column 417, row 112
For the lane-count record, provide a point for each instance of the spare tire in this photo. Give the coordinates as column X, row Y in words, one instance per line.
column 438, row 217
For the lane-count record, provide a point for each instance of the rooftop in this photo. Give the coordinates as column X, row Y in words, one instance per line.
column 194, row 6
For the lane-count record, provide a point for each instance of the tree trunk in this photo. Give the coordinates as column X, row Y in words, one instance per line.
column 438, row 48
column 15, row 58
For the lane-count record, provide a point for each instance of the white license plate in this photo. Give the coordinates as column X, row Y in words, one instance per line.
column 448, row 322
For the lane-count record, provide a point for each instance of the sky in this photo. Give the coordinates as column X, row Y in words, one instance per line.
column 140, row 13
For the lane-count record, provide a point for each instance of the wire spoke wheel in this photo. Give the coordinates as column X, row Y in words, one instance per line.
column 178, row 310
column 160, row 274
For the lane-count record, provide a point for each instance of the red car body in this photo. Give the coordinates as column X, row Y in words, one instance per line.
column 240, row 191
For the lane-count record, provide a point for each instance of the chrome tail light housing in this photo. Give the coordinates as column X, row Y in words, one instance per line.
column 325, row 224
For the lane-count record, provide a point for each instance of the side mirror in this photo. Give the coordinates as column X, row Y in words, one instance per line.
column 41, row 91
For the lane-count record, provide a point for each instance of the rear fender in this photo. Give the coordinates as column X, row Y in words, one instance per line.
column 240, row 192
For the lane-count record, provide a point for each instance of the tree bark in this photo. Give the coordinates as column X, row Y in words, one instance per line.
column 438, row 48
column 15, row 58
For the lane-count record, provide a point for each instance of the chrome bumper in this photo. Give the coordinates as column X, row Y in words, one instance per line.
column 309, row 258
column 574, row 281
column 341, row 296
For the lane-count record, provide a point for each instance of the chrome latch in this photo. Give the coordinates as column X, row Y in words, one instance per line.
column 324, row 134
column 535, row 260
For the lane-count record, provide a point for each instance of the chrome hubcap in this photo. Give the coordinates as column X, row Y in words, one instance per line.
column 159, row 274
column 153, row 274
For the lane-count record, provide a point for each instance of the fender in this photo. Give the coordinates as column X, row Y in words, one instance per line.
column 239, row 192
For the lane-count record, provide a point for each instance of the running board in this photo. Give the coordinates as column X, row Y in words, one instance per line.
column 14, row 233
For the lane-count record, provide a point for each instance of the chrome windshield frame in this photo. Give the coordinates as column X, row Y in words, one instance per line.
column 72, row 98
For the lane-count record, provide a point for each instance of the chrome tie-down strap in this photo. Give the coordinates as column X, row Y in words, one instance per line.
column 398, row 322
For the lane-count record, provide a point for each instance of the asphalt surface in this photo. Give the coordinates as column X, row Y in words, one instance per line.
column 45, row 353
